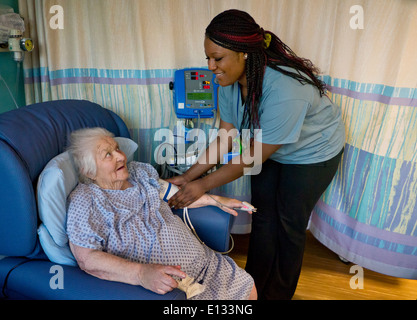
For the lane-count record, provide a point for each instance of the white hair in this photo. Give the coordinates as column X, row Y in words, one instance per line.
column 83, row 150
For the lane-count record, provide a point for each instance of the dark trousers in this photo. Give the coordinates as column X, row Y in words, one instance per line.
column 284, row 195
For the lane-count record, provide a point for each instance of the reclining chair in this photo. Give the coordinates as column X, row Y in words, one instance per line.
column 35, row 260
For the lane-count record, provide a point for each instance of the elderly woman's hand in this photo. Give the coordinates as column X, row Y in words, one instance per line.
column 228, row 204
column 158, row 278
column 154, row 277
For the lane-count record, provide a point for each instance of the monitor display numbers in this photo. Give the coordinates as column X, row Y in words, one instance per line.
column 199, row 95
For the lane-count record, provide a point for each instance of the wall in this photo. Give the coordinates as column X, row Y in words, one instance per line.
column 12, row 74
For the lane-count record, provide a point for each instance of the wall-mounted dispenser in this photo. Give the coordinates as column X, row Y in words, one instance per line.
column 12, row 28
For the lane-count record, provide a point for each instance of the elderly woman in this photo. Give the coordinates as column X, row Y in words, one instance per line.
column 120, row 230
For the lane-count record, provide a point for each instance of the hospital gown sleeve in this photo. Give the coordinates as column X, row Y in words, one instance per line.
column 86, row 227
column 139, row 171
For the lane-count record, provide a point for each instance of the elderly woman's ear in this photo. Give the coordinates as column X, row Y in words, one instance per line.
column 86, row 175
column 89, row 175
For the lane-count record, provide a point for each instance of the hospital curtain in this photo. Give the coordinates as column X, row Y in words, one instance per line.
column 119, row 54
column 368, row 215
column 122, row 55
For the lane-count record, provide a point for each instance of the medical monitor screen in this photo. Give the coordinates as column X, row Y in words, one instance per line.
column 199, row 95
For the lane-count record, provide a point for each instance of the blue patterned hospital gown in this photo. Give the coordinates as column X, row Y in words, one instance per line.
column 136, row 225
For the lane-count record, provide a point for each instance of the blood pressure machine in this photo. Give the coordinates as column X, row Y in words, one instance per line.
column 195, row 93
column 194, row 99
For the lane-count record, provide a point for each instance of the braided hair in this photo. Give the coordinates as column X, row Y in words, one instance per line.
column 237, row 31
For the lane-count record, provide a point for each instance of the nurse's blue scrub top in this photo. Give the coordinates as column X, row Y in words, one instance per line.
column 309, row 127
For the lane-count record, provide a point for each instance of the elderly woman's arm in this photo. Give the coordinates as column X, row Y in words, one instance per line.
column 154, row 277
column 226, row 204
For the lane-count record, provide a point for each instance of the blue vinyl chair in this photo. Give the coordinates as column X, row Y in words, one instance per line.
column 29, row 138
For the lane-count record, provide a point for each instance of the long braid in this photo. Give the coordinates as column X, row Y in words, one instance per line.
column 236, row 30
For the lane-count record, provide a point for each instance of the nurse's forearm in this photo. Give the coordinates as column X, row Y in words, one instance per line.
column 208, row 159
column 251, row 159
column 225, row 174
column 212, row 155
column 250, row 162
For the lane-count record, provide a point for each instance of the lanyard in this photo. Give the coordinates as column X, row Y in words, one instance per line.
column 237, row 143
column 237, row 104
column 237, row 107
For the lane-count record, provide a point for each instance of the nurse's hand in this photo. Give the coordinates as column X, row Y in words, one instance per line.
column 187, row 194
column 179, row 181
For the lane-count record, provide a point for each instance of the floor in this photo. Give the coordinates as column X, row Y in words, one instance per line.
column 325, row 277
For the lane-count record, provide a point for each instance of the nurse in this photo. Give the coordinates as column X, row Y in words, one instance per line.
column 265, row 85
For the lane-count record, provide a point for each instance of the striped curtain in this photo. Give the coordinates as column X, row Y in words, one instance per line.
column 122, row 54
column 368, row 215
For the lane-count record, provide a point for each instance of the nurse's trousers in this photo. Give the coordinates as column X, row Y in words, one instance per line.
column 284, row 196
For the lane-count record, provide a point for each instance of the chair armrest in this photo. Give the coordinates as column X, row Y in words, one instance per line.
column 33, row 280
column 212, row 225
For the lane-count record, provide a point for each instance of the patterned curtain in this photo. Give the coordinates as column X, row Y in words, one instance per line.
column 123, row 54
column 368, row 215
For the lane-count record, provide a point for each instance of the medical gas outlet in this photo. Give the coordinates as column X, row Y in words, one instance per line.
column 19, row 45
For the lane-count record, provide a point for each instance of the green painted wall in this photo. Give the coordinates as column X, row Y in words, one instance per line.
column 12, row 74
